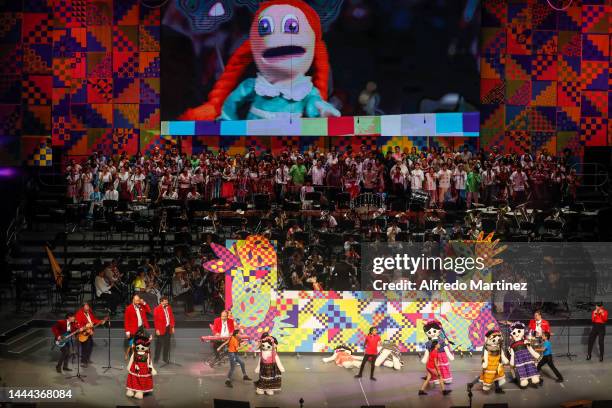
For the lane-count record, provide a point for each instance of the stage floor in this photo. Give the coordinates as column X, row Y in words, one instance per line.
column 321, row 385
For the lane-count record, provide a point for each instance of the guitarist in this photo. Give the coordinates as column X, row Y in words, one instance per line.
column 86, row 319
column 60, row 329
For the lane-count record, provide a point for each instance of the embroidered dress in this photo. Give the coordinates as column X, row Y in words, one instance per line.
column 139, row 376
column 269, row 374
column 524, row 363
column 494, row 371
column 443, row 365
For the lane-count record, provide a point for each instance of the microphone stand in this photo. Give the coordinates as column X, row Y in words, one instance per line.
column 78, row 363
column 568, row 354
column 108, row 365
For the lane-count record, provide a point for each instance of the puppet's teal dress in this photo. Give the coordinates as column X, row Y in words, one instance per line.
column 269, row 101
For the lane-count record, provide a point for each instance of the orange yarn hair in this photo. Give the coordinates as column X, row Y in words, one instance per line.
column 243, row 57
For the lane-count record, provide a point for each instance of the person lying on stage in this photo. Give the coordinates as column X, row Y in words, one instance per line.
column 87, row 320
column 233, row 344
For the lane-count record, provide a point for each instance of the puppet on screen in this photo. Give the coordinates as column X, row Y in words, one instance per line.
column 285, row 43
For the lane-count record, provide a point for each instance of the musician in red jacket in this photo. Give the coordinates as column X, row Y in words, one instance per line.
column 87, row 320
column 60, row 329
column 163, row 320
column 223, row 326
column 599, row 318
column 136, row 316
column 538, row 326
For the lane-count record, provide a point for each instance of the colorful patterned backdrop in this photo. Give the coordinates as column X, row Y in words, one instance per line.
column 84, row 74
column 309, row 321
column 545, row 81
column 79, row 75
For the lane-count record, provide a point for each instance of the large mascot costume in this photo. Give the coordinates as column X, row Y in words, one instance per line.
column 285, row 42
column 434, row 331
column 493, row 361
column 523, row 357
column 140, row 368
column 269, row 368
column 343, row 357
column 390, row 356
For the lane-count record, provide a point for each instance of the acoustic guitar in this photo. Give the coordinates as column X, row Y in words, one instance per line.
column 88, row 331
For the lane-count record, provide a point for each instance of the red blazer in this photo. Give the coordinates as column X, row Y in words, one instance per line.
column 159, row 319
column 601, row 318
column 131, row 320
column 61, row 327
column 545, row 325
column 217, row 326
column 82, row 320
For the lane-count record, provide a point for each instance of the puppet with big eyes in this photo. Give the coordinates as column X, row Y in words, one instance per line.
column 493, row 361
column 269, row 368
column 434, row 331
column 285, row 43
column 140, row 368
column 523, row 357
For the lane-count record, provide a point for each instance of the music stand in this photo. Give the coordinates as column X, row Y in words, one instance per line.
column 78, row 372
column 108, row 361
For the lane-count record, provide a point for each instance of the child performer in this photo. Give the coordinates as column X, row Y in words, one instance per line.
column 233, row 343
column 433, row 369
column 547, row 358
column 370, row 352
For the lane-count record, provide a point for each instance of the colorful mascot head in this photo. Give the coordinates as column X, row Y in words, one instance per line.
column 433, row 329
column 286, row 41
column 142, row 344
column 493, row 340
column 517, row 331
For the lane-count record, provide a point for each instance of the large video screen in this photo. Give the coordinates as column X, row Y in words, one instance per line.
column 246, row 59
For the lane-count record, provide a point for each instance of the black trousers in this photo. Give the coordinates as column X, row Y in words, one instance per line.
column 372, row 358
column 548, row 360
column 64, row 356
column 597, row 331
column 86, row 349
column 163, row 347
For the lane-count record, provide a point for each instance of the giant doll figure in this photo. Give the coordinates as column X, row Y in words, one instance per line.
column 285, row 42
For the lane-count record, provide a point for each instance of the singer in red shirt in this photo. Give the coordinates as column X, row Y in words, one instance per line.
column 163, row 320
column 599, row 318
column 370, row 352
